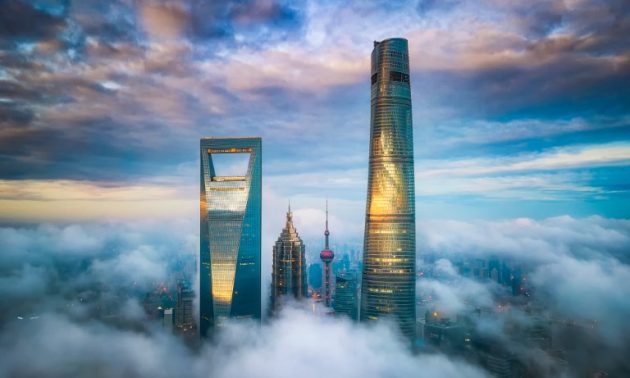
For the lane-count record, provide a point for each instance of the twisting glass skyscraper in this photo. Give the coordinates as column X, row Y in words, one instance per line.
column 389, row 257
column 230, row 211
column 288, row 276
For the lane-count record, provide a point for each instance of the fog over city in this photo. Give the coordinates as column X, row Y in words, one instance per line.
column 71, row 295
column 520, row 149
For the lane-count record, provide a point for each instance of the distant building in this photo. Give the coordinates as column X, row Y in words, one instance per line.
column 346, row 303
column 288, row 277
column 501, row 364
column 341, row 263
column 327, row 256
column 230, row 216
column 184, row 319
column 442, row 333
column 315, row 276
column 167, row 320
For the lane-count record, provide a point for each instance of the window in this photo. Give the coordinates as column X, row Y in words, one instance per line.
column 399, row 76
column 374, row 78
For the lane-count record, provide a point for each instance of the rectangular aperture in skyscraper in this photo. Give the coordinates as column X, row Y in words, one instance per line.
column 230, row 218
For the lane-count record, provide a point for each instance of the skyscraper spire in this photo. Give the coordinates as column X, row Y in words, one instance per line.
column 326, row 233
column 289, row 224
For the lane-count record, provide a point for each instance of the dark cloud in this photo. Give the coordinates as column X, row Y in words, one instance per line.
column 550, row 60
column 267, row 19
column 30, row 20
column 91, row 84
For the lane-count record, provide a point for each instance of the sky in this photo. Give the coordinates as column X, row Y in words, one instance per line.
column 519, row 109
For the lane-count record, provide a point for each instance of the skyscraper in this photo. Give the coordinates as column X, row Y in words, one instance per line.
column 315, row 276
column 288, row 276
column 327, row 256
column 184, row 308
column 230, row 207
column 167, row 320
column 389, row 257
column 345, row 303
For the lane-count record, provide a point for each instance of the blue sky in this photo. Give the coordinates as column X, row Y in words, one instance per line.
column 520, row 109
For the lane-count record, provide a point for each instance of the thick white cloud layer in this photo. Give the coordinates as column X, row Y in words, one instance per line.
column 297, row 344
column 61, row 274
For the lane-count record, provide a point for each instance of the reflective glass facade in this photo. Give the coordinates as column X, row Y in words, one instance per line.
column 230, row 214
column 288, row 277
column 389, row 257
column 345, row 303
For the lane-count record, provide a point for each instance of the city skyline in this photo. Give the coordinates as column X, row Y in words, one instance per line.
column 494, row 231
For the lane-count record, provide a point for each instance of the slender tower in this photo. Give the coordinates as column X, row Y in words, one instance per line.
column 389, row 257
column 327, row 256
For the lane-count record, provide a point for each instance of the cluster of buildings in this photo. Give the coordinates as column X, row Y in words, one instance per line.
column 175, row 310
column 335, row 289
column 230, row 222
column 381, row 284
column 514, row 336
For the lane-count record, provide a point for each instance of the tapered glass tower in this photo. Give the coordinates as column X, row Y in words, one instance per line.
column 389, row 256
column 230, row 207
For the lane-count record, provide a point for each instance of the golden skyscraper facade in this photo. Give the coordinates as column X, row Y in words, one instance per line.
column 389, row 257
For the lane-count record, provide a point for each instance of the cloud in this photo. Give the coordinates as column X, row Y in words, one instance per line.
column 573, row 269
column 164, row 21
column 590, row 289
column 279, row 349
column 81, row 285
column 577, row 265
column 85, row 268
column 484, row 132
column 22, row 20
column 68, row 190
column 529, row 239
column 558, row 158
column 555, row 174
column 541, row 187
column 453, row 294
column 129, row 88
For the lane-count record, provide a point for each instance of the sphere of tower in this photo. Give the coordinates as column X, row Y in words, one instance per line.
column 327, row 255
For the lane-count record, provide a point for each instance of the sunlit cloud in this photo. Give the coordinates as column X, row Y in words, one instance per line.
column 121, row 92
column 559, row 158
